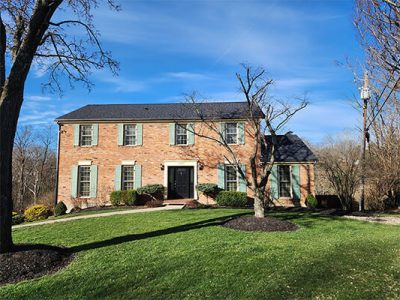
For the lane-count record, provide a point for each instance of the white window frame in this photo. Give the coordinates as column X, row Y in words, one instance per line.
column 290, row 182
column 86, row 135
column 123, row 179
column 125, row 135
column 79, row 181
column 237, row 133
column 226, row 177
column 183, row 126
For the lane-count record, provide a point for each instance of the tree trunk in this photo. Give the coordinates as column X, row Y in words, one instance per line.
column 258, row 205
column 8, row 122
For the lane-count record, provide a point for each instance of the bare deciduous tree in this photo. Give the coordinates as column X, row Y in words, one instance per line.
column 339, row 160
column 254, row 87
column 29, row 35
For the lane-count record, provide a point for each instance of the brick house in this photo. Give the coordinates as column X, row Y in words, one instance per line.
column 102, row 148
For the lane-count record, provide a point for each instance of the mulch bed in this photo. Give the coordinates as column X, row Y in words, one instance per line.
column 31, row 261
column 269, row 224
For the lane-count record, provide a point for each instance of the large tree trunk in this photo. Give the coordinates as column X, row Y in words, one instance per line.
column 258, row 205
column 9, row 112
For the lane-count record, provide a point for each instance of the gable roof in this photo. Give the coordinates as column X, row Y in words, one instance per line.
column 291, row 148
column 171, row 111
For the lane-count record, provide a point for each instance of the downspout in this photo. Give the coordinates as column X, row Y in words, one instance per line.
column 57, row 164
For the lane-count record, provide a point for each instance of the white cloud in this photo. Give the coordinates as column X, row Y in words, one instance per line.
column 37, row 98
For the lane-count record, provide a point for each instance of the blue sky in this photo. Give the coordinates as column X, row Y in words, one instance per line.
column 168, row 48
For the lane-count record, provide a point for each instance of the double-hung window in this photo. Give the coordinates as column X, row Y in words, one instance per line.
column 231, row 178
column 85, row 135
column 181, row 136
column 129, row 134
column 284, row 177
column 128, row 178
column 231, row 134
column 84, row 181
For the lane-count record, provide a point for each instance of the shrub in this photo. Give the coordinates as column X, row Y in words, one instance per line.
column 37, row 212
column 115, row 198
column 17, row 218
column 231, row 198
column 60, row 209
column 126, row 197
column 129, row 197
column 154, row 203
column 311, row 202
column 155, row 190
column 208, row 189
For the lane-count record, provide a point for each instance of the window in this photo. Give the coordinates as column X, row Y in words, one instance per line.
column 128, row 178
column 284, row 181
column 129, row 134
column 231, row 133
column 84, row 181
column 181, row 134
column 85, row 135
column 231, row 178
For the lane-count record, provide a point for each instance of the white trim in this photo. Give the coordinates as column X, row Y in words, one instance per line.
column 128, row 162
column 180, row 163
column 84, row 163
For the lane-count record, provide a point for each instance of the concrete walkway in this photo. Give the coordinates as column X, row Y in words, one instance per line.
column 106, row 214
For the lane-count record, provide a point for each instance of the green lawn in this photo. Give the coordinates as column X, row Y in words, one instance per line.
column 185, row 254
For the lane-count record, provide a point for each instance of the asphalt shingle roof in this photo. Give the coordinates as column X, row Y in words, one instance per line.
column 291, row 148
column 172, row 111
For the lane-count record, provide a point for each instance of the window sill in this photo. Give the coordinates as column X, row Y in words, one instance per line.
column 129, row 145
column 182, row 145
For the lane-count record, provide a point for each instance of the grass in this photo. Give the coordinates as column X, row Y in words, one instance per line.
column 185, row 254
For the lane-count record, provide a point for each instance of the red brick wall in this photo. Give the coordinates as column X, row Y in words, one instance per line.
column 154, row 151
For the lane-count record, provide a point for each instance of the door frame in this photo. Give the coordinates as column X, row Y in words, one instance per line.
column 181, row 163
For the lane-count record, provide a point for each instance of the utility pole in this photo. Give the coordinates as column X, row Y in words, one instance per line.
column 365, row 96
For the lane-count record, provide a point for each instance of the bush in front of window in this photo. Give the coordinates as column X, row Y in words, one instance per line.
column 17, row 218
column 129, row 197
column 37, row 212
column 231, row 198
column 60, row 209
column 311, row 202
column 125, row 197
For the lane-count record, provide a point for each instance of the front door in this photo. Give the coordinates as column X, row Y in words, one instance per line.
column 180, row 182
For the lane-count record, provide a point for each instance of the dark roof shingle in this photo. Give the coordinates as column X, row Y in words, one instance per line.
column 172, row 111
column 290, row 148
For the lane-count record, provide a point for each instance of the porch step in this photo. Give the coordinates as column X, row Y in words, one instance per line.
column 177, row 201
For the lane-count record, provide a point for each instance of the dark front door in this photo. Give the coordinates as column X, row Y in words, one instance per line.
column 180, row 182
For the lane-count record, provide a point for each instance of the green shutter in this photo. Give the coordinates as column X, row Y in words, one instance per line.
column 241, row 133
column 242, row 181
column 74, row 181
column 93, row 181
column 296, row 182
column 139, row 134
column 222, row 131
column 190, row 132
column 172, row 133
column 76, row 134
column 138, row 176
column 221, row 176
column 95, row 134
column 274, row 182
column 117, row 180
column 120, row 134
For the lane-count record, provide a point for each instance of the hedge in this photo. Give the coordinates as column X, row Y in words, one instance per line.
column 126, row 197
column 231, row 198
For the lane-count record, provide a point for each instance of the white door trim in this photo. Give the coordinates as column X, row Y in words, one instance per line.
column 180, row 163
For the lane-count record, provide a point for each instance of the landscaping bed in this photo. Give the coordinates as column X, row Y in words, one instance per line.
column 31, row 261
column 250, row 223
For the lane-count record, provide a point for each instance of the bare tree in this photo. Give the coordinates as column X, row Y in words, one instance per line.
column 274, row 115
column 29, row 35
column 339, row 160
